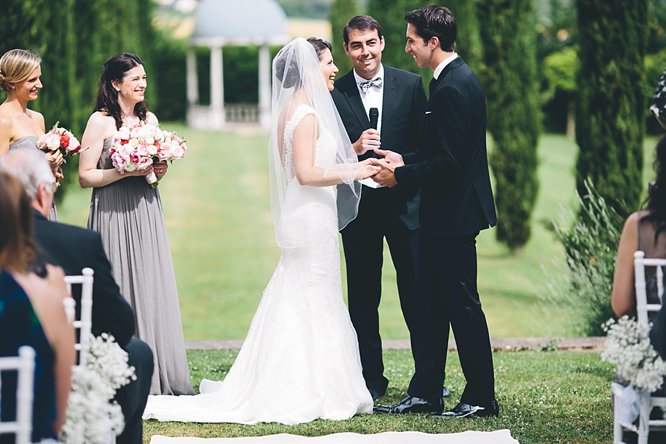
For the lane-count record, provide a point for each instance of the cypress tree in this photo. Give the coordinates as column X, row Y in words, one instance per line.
column 468, row 39
column 510, row 81
column 340, row 13
column 611, row 106
column 391, row 15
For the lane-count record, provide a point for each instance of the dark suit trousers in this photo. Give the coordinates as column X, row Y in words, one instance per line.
column 133, row 397
column 363, row 241
column 446, row 294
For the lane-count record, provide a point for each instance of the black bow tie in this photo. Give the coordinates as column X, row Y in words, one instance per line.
column 366, row 84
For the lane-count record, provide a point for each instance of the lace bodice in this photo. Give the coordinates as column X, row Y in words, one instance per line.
column 324, row 149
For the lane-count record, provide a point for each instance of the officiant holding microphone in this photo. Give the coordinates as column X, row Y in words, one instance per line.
column 381, row 107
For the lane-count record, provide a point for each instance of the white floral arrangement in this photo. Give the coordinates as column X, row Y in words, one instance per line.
column 92, row 415
column 628, row 347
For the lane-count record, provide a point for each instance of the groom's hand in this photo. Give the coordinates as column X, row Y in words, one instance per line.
column 386, row 176
column 391, row 157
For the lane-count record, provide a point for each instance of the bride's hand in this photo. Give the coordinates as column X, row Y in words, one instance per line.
column 366, row 169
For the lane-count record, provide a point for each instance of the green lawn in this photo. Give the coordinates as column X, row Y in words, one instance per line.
column 218, row 216
column 545, row 397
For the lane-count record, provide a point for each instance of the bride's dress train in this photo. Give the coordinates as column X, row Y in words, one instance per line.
column 300, row 360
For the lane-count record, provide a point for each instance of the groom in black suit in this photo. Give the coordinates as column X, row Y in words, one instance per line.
column 451, row 170
column 379, row 106
column 73, row 249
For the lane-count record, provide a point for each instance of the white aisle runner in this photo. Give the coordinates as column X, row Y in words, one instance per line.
column 469, row 437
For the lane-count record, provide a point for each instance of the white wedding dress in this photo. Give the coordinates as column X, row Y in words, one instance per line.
column 300, row 360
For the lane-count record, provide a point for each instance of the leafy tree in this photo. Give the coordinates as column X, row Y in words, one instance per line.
column 609, row 120
column 340, row 13
column 391, row 15
column 558, row 79
column 469, row 39
column 510, row 81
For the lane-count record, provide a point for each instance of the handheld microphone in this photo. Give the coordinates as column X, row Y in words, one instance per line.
column 374, row 117
column 373, row 114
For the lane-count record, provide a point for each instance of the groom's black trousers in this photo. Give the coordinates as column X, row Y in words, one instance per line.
column 446, row 294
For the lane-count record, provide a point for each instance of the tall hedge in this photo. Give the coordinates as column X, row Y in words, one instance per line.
column 611, row 106
column 74, row 39
column 510, row 81
column 340, row 13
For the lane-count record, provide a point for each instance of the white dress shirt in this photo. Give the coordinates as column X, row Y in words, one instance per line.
column 442, row 65
column 374, row 98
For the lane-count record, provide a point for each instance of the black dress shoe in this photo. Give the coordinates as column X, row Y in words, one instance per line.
column 463, row 410
column 412, row 404
column 445, row 392
column 375, row 393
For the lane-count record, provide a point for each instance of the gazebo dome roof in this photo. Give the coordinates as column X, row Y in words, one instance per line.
column 241, row 22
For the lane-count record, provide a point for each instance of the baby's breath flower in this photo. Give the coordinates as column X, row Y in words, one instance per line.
column 92, row 416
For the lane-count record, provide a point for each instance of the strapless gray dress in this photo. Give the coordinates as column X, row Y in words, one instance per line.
column 31, row 142
column 128, row 216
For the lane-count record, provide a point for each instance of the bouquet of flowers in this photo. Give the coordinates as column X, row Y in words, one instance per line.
column 59, row 139
column 137, row 147
column 628, row 347
column 92, row 416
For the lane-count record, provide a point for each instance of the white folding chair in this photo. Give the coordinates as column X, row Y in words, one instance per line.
column 84, row 324
column 647, row 402
column 24, row 365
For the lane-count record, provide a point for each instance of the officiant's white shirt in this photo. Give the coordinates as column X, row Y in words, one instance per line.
column 374, row 98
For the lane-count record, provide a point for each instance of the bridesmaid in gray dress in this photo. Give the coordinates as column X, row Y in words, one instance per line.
column 127, row 213
column 20, row 74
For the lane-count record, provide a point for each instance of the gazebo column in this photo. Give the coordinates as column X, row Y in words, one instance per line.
column 192, row 81
column 216, row 87
column 264, row 87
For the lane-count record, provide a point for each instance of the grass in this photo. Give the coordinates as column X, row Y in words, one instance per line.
column 545, row 397
column 218, row 216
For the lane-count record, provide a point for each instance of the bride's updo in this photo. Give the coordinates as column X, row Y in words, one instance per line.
column 16, row 66
column 286, row 69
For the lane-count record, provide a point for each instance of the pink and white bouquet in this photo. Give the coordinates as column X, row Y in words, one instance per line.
column 139, row 146
column 59, row 139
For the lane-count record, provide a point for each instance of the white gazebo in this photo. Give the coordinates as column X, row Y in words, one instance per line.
column 232, row 22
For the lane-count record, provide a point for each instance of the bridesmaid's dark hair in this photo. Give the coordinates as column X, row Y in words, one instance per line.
column 107, row 96
column 656, row 200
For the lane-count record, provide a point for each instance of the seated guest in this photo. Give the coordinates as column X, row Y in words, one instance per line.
column 32, row 313
column 643, row 230
column 75, row 248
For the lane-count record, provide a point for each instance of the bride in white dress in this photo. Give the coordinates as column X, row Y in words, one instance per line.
column 300, row 360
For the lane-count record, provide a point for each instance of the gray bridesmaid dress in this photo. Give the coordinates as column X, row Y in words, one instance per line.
column 128, row 215
column 31, row 142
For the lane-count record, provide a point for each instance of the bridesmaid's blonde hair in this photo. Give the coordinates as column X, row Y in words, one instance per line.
column 16, row 65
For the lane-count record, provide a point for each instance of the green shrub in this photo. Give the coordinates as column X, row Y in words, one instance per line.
column 583, row 293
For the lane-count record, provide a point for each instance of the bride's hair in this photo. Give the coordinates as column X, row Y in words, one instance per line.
column 107, row 96
column 319, row 45
column 286, row 69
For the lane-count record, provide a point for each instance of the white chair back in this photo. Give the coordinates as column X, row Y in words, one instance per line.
column 24, row 364
column 643, row 310
column 84, row 324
